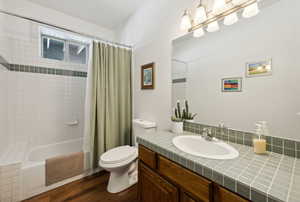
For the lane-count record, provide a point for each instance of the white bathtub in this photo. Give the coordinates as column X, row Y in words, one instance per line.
column 33, row 169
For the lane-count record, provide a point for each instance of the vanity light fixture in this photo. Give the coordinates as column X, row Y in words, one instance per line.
column 200, row 14
column 231, row 19
column 222, row 10
column 213, row 27
column 218, row 6
column 198, row 33
column 186, row 22
column 237, row 2
column 251, row 10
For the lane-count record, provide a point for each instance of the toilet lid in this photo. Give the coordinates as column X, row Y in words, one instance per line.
column 118, row 154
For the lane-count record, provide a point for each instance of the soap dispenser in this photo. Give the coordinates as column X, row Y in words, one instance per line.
column 259, row 143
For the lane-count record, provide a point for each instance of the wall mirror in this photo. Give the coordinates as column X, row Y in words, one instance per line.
column 263, row 52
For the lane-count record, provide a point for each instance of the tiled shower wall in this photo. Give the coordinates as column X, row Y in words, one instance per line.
column 38, row 97
column 10, row 183
column 4, row 138
column 39, row 104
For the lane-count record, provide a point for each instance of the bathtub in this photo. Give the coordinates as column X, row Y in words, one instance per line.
column 33, row 169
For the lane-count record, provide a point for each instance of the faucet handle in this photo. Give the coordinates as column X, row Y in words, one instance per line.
column 207, row 133
column 207, row 130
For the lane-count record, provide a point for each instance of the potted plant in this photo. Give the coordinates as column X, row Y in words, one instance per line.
column 179, row 117
column 177, row 120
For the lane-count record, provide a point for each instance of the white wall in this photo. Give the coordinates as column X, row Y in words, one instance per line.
column 151, row 30
column 4, row 137
column 179, row 71
column 275, row 99
column 29, row 9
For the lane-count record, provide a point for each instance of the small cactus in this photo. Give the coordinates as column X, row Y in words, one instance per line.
column 175, row 119
column 178, row 109
column 184, row 115
column 186, row 106
column 176, row 113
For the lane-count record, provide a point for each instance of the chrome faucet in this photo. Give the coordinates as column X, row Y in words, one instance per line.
column 207, row 134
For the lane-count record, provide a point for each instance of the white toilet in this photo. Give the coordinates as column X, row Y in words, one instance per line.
column 121, row 161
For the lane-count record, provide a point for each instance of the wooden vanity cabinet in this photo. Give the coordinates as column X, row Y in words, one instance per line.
column 161, row 180
column 153, row 188
column 147, row 156
column 184, row 197
column 192, row 183
column 223, row 195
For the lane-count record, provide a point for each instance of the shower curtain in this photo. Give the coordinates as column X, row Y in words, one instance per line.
column 108, row 115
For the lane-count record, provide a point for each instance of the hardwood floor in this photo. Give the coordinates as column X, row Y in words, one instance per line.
column 89, row 189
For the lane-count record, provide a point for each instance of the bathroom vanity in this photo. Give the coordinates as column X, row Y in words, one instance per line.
column 162, row 180
column 167, row 174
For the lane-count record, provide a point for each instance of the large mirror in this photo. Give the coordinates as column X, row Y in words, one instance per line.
column 244, row 73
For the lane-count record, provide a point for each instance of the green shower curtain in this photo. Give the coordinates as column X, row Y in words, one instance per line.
column 111, row 114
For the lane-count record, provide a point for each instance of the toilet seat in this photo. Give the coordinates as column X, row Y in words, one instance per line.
column 118, row 154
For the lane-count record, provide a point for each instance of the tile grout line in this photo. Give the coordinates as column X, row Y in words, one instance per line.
column 292, row 180
column 245, row 167
column 236, row 180
column 274, row 176
column 259, row 172
column 244, row 172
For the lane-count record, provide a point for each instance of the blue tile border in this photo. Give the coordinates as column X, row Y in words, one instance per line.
column 44, row 70
column 182, row 80
column 40, row 70
column 4, row 62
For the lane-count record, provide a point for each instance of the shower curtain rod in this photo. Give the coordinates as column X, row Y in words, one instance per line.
column 66, row 29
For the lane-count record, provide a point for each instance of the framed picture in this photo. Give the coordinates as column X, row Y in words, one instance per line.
column 232, row 84
column 147, row 76
column 255, row 69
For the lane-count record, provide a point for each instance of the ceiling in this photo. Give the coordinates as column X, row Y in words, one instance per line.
column 106, row 13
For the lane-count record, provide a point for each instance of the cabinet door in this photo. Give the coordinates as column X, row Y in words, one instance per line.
column 153, row 188
column 197, row 186
column 223, row 195
column 147, row 156
column 186, row 198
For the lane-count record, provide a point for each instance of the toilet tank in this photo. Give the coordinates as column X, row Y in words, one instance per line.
column 140, row 127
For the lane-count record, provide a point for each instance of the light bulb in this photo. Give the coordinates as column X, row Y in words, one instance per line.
column 251, row 10
column 200, row 15
column 231, row 19
column 198, row 33
column 185, row 21
column 213, row 27
column 218, row 5
column 237, row 2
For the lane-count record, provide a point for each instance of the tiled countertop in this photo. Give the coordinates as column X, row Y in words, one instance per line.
column 260, row 178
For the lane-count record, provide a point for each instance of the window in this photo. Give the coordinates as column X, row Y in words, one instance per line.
column 78, row 53
column 53, row 48
column 64, row 50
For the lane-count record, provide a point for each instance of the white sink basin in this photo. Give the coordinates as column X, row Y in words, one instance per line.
column 198, row 146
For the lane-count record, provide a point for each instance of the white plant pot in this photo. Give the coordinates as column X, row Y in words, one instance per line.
column 177, row 127
column 190, row 121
